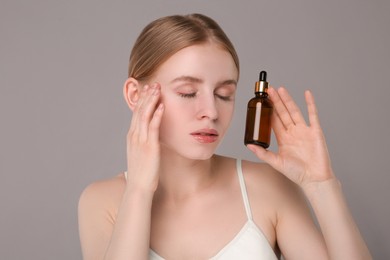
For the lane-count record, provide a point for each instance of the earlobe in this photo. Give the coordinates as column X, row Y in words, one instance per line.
column 131, row 91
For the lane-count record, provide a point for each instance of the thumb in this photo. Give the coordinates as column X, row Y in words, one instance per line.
column 264, row 155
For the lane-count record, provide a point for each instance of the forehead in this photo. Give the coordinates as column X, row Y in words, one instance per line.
column 206, row 61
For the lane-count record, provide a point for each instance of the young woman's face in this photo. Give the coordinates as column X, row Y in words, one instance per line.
column 198, row 86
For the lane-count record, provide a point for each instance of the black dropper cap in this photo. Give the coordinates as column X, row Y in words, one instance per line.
column 263, row 76
column 262, row 84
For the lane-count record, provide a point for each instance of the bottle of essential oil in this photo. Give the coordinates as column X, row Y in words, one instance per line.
column 258, row 117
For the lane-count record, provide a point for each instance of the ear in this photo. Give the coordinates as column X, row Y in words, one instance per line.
column 131, row 92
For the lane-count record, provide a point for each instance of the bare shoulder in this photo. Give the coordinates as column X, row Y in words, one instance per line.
column 264, row 176
column 260, row 179
column 269, row 189
column 103, row 196
column 98, row 207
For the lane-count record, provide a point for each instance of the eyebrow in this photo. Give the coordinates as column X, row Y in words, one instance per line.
column 187, row 79
column 228, row 82
column 198, row 80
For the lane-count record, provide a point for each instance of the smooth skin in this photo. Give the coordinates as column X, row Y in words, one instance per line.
column 184, row 202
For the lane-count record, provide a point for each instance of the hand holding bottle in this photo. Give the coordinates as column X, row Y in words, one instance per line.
column 302, row 152
column 143, row 147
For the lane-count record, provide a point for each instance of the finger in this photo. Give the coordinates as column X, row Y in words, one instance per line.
column 136, row 113
column 155, row 123
column 293, row 112
column 292, row 108
column 277, row 126
column 312, row 109
column 280, row 108
column 147, row 110
column 265, row 155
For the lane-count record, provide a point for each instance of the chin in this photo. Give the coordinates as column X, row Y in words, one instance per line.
column 191, row 152
column 203, row 156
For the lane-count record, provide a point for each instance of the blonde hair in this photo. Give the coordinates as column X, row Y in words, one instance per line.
column 163, row 37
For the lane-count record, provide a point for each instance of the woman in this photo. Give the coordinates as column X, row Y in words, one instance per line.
column 178, row 200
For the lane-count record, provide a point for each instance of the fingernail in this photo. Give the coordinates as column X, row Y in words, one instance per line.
column 250, row 147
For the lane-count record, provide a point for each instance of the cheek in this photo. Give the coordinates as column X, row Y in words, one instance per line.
column 175, row 107
column 175, row 115
column 226, row 112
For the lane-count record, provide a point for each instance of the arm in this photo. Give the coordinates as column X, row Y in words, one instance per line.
column 107, row 235
column 303, row 158
column 131, row 234
column 128, row 235
column 342, row 236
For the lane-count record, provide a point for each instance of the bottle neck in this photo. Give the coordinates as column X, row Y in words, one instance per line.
column 261, row 94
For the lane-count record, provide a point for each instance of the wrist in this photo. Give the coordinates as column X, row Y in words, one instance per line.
column 321, row 188
column 140, row 186
column 139, row 191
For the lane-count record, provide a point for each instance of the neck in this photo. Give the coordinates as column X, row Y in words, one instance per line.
column 181, row 178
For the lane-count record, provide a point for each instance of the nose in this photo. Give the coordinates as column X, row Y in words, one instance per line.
column 207, row 107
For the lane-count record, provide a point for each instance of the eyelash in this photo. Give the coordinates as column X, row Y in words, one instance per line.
column 187, row 95
column 224, row 98
column 192, row 95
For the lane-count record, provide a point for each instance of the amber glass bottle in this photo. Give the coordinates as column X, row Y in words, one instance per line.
column 258, row 116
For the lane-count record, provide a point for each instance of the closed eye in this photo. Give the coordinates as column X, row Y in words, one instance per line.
column 224, row 98
column 188, row 95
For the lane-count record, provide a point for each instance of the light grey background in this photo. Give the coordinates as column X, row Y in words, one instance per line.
column 64, row 121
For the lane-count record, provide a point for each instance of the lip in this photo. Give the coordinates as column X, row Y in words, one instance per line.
column 206, row 135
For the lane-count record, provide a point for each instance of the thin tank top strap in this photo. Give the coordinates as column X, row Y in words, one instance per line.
column 125, row 174
column 243, row 189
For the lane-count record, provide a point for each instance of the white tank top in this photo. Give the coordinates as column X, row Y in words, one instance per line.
column 249, row 243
